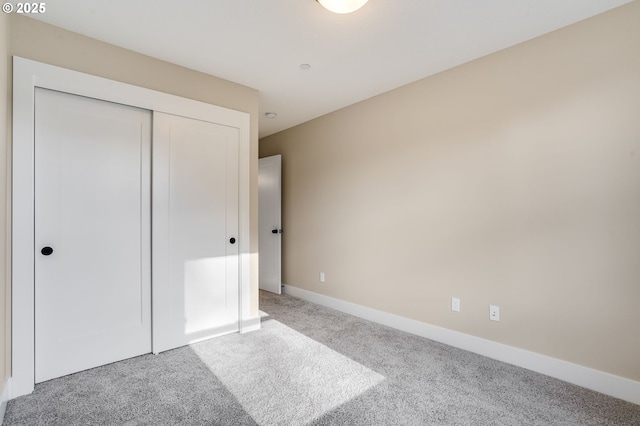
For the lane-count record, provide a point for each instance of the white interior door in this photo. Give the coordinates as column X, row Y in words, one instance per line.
column 92, row 210
column 195, row 230
column 270, row 231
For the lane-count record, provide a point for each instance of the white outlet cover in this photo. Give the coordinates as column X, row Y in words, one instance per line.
column 494, row 313
column 455, row 304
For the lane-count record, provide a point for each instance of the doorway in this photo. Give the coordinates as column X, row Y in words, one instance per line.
column 270, row 225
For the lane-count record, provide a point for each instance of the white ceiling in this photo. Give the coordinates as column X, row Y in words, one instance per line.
column 261, row 43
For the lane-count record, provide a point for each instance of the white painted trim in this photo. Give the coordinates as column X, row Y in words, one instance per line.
column 27, row 75
column 599, row 381
column 250, row 324
column 6, row 392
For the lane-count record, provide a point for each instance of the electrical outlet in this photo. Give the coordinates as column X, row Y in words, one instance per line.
column 494, row 313
column 321, row 277
column 455, row 304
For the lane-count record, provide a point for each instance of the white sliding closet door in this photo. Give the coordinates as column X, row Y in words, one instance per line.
column 92, row 233
column 195, row 230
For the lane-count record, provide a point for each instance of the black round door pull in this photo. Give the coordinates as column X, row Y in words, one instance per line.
column 232, row 240
column 274, row 231
column 46, row 251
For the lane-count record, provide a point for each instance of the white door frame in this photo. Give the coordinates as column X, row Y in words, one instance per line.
column 27, row 75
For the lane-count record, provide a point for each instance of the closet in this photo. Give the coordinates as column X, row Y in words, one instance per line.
column 130, row 222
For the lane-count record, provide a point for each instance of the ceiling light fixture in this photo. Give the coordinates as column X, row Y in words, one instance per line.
column 271, row 115
column 342, row 6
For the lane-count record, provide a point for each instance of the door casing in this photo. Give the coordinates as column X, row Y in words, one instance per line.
column 27, row 75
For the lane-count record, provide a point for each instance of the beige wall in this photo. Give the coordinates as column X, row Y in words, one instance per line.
column 4, row 224
column 512, row 180
column 35, row 40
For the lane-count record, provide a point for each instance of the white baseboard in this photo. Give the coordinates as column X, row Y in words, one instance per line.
column 6, row 396
column 599, row 381
column 250, row 324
